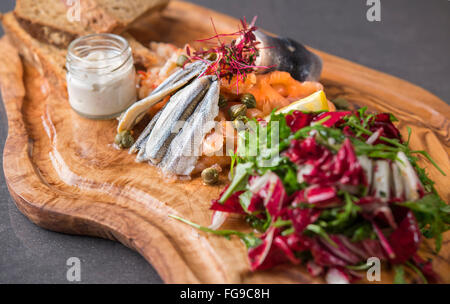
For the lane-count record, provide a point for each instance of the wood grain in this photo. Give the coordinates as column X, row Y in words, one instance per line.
column 65, row 175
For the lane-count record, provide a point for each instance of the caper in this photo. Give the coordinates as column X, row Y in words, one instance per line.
column 223, row 101
column 239, row 123
column 124, row 139
column 237, row 110
column 181, row 60
column 249, row 100
column 210, row 176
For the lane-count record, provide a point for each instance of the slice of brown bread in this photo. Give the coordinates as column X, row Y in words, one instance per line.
column 50, row 60
column 48, row 20
column 115, row 16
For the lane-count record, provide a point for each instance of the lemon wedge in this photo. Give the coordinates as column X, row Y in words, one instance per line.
column 314, row 102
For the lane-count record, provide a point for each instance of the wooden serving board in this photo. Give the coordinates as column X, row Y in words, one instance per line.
column 65, row 175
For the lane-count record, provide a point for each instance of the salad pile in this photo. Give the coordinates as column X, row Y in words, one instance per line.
column 336, row 189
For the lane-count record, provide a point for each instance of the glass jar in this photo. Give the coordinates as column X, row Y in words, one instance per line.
column 101, row 80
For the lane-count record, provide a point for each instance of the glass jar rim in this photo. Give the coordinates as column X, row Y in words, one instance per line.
column 77, row 62
column 117, row 43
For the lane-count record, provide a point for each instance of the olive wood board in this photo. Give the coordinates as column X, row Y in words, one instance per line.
column 65, row 175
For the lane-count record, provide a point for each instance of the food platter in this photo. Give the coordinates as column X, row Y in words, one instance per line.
column 65, row 175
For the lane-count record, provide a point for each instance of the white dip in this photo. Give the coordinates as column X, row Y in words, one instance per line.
column 100, row 79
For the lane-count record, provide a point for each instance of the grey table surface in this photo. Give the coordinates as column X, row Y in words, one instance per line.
column 412, row 41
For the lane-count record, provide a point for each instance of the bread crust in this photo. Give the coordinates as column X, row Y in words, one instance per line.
column 93, row 19
column 46, row 33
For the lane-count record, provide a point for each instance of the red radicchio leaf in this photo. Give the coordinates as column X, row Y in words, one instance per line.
column 305, row 151
column 303, row 217
column 341, row 251
column 231, row 205
column 383, row 241
column 270, row 190
column 348, row 165
column 355, row 247
column 324, row 257
column 374, row 248
column 334, row 117
column 280, row 243
column 348, row 131
column 405, row 239
column 322, row 197
column 342, row 169
column 274, row 250
column 426, row 268
column 383, row 120
column 299, row 242
column 298, row 120
column 256, row 204
column 257, row 255
column 337, row 275
column 314, row 269
column 375, row 209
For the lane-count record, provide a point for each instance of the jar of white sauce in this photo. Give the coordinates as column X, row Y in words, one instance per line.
column 100, row 76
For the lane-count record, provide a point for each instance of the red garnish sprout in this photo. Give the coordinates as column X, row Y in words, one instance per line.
column 236, row 58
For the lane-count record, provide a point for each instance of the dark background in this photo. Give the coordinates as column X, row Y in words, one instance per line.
column 412, row 41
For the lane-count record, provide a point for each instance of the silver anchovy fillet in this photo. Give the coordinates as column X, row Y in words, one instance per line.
column 185, row 148
column 142, row 139
column 180, row 106
column 177, row 80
